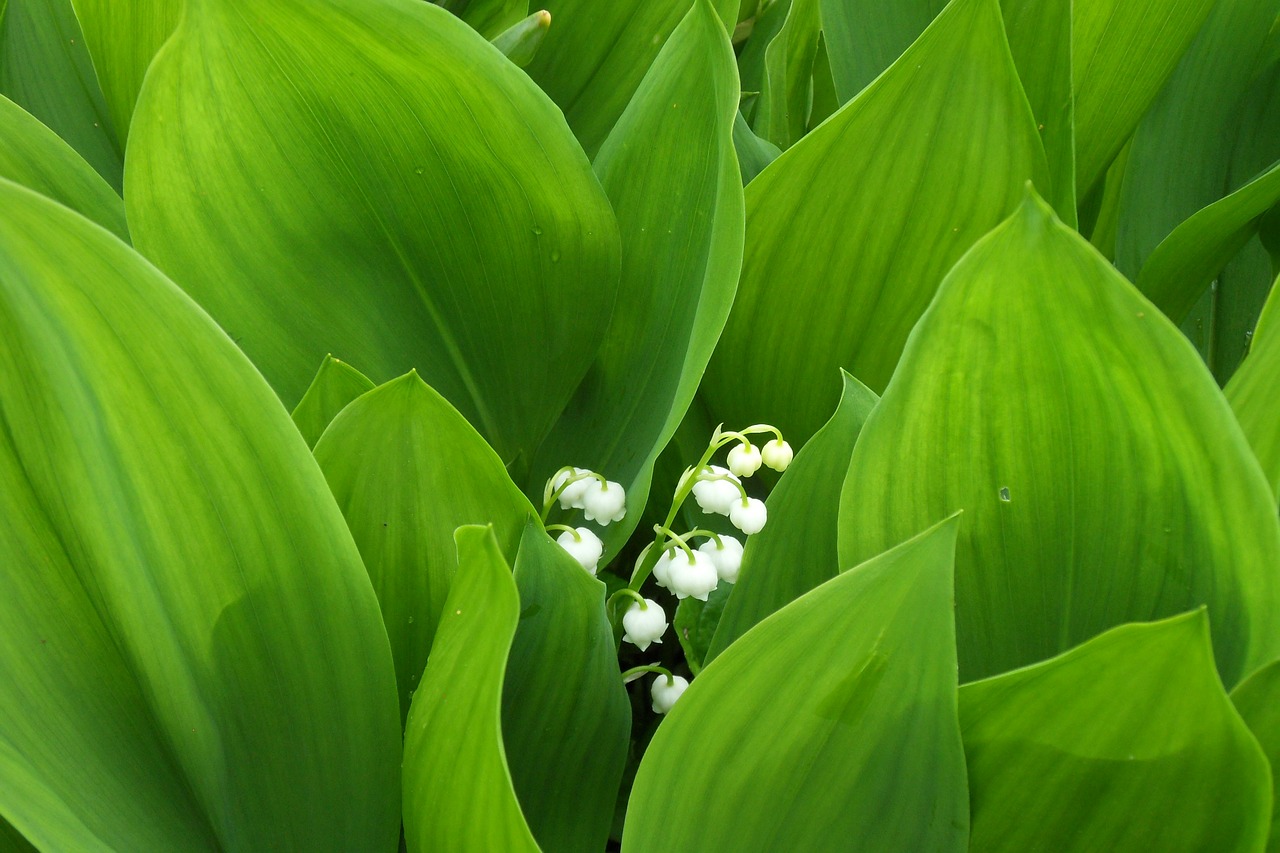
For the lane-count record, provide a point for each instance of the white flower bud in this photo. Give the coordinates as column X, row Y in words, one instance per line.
column 587, row 550
column 749, row 515
column 571, row 497
column 662, row 568
column 665, row 691
column 727, row 557
column 644, row 625
column 693, row 575
column 604, row 503
column 716, row 496
column 744, row 459
column 777, row 454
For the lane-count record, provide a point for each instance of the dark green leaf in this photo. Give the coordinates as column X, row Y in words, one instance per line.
column 695, row 624
column 786, row 92
column 1253, row 391
column 864, row 37
column 754, row 153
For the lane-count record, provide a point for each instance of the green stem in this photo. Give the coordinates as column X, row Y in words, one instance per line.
column 660, row 670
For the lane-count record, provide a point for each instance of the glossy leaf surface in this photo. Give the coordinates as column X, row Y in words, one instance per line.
column 149, row 706
column 1114, row 486
column 860, row 220
column 457, row 788
column 339, row 176
column 1131, row 742
column 782, row 742
column 336, row 384
column 407, row 470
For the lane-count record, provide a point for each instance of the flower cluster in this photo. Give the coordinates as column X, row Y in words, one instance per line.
column 602, row 501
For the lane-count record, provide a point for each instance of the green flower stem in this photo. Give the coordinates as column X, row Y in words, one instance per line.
column 660, row 670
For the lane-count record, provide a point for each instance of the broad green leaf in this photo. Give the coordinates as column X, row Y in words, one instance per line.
column 45, row 69
column 387, row 187
column 1186, row 261
column 1127, row 742
column 523, row 39
column 33, row 155
column 860, row 220
column 796, row 551
column 864, row 37
column 190, row 648
column 782, row 113
column 596, row 55
column 566, row 720
column 1253, row 395
column 695, row 625
column 784, row 741
column 336, row 384
column 1123, row 53
column 825, row 101
column 1257, row 698
column 753, row 152
column 457, row 788
column 123, row 38
column 751, row 57
column 1190, row 124
column 670, row 170
column 491, row 17
column 1040, row 39
column 407, row 470
column 1113, row 486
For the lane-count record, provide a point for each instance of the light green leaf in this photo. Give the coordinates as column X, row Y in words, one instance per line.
column 1186, row 262
column 670, row 170
column 782, row 743
column 1252, row 391
column 457, row 788
column 407, row 470
column 566, row 720
column 1127, row 742
column 753, row 152
column 597, row 53
column 336, row 384
column 523, row 39
column 864, row 37
column 1191, row 124
column 33, row 155
column 1123, row 53
column 796, row 551
column 123, row 38
column 1113, row 486
column 1257, row 698
column 860, row 220
column 149, row 705
column 782, row 113
column 370, row 177
column 45, row 69
column 491, row 17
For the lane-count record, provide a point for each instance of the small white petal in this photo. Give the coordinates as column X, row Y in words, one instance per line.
column 644, row 626
column 665, row 692
column 587, row 550
column 693, row 575
column 571, row 497
column 727, row 557
column 717, row 496
column 777, row 454
column 662, row 568
column 604, row 503
column 749, row 516
column 744, row 459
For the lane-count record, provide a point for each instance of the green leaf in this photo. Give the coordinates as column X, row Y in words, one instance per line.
column 754, row 153
column 1252, row 392
column 796, row 551
column 1191, row 124
column 864, row 37
column 1186, row 262
column 33, row 155
column 12, row 841
column 566, row 721
column 372, row 199
column 491, row 17
column 670, row 170
column 1127, row 742
column 782, row 113
column 1113, row 486
column 863, row 217
column 1123, row 53
column 1257, row 699
column 695, row 625
column 336, row 384
column 751, row 57
column 523, row 39
column 457, row 788
column 596, row 55
column 782, row 743
column 45, row 69
column 149, row 705
column 407, row 470
column 123, row 37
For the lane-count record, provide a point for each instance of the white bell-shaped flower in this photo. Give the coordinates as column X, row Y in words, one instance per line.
column 586, row 547
column 744, row 459
column 604, row 503
column 662, row 568
column 692, row 575
column 665, row 691
column 748, row 515
column 717, row 496
column 777, row 454
column 644, row 625
column 573, row 493
column 725, row 556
